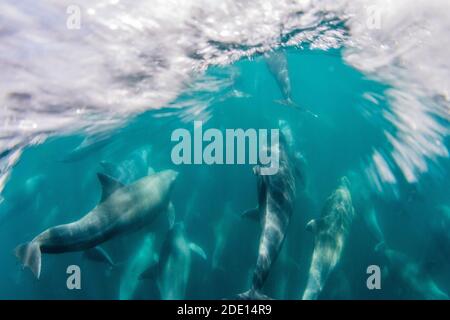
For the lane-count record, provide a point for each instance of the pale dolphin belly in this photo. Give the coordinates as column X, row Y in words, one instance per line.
column 277, row 211
column 272, row 238
column 327, row 253
column 276, row 197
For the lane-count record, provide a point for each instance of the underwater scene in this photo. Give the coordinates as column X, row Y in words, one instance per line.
column 173, row 149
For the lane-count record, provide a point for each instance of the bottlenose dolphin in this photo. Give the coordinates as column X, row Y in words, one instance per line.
column 278, row 66
column 276, row 196
column 122, row 209
column 174, row 265
column 330, row 233
column 87, row 147
column 412, row 275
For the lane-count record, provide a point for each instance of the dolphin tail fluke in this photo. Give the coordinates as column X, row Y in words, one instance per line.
column 253, row 294
column 29, row 255
column 288, row 102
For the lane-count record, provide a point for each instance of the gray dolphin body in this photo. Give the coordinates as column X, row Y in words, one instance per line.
column 173, row 268
column 413, row 277
column 278, row 67
column 330, row 231
column 276, row 195
column 122, row 209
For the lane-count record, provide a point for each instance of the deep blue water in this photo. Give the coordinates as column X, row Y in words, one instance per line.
column 53, row 184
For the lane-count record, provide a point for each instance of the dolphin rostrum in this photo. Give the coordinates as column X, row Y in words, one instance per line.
column 122, row 209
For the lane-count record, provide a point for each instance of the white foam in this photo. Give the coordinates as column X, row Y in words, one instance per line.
column 406, row 45
column 133, row 55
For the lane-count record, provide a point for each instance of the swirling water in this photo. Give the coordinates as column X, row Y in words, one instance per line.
column 114, row 91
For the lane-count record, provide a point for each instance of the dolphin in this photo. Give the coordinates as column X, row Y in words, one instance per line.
column 173, row 268
column 88, row 146
column 330, row 233
column 122, row 209
column 278, row 66
column 412, row 275
column 276, row 195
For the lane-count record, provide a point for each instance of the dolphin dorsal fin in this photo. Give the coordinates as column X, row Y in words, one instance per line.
column 198, row 250
column 109, row 185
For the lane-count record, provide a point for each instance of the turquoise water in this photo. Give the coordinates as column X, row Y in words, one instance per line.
column 56, row 183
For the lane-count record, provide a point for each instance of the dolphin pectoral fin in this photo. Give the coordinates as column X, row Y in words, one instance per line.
column 198, row 250
column 29, row 255
column 150, row 273
column 109, row 185
column 251, row 214
column 98, row 254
